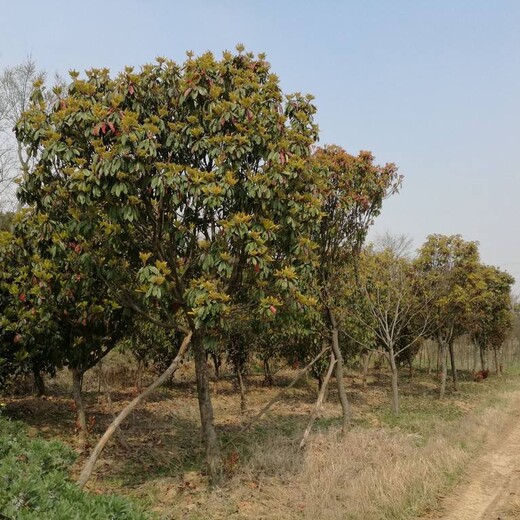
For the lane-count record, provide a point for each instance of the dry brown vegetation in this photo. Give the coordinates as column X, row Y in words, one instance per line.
column 385, row 467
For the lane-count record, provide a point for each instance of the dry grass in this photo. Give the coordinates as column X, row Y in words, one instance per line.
column 370, row 474
column 513, row 511
column 384, row 468
column 374, row 474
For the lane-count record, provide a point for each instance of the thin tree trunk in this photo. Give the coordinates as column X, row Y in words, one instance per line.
column 319, row 402
column 483, row 359
column 39, row 382
column 86, row 472
column 277, row 397
column 395, row 382
column 140, row 370
column 475, row 357
column 241, row 387
column 216, row 364
column 209, row 434
column 77, row 381
column 443, row 348
column 366, row 362
column 411, row 371
column 345, row 406
column 268, row 377
column 497, row 367
column 453, row 367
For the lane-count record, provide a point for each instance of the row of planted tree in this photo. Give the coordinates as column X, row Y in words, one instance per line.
column 188, row 205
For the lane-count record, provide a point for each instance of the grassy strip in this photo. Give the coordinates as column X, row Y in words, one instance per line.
column 34, row 482
column 386, row 467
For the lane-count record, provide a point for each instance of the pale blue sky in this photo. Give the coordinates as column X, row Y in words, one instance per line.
column 432, row 85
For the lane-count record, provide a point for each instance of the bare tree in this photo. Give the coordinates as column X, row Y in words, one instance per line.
column 16, row 85
column 400, row 245
column 393, row 306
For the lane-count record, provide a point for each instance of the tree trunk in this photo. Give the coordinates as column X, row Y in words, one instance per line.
column 497, row 365
column 319, row 401
column 453, row 367
column 277, row 397
column 443, row 348
column 483, row 359
column 77, row 383
column 366, row 363
column 268, row 376
column 209, row 434
column 411, row 371
column 345, row 406
column 395, row 382
column 475, row 357
column 139, row 375
column 241, row 387
column 39, row 383
column 217, row 362
column 86, row 472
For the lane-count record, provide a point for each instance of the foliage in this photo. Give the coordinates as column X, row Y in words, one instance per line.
column 394, row 305
column 55, row 310
column 196, row 172
column 446, row 263
column 489, row 310
column 190, row 184
column 34, row 482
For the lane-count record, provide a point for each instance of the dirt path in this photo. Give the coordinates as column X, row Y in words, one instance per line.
column 491, row 487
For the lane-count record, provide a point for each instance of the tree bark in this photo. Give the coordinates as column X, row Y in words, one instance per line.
column 410, row 367
column 395, row 382
column 443, row 350
column 366, row 363
column 453, row 367
column 209, row 434
column 86, row 472
column 268, row 376
column 77, row 383
column 319, row 401
column 345, row 406
column 483, row 359
column 497, row 366
column 241, row 387
column 217, row 362
column 39, row 383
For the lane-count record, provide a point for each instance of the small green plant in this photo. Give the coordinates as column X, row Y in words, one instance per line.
column 34, row 482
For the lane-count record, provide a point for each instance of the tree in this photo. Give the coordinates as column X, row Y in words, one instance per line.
column 58, row 307
column 399, row 245
column 489, row 311
column 196, row 177
column 447, row 263
column 16, row 85
column 394, row 307
column 353, row 189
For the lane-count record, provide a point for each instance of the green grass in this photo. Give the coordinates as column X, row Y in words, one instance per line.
column 34, row 482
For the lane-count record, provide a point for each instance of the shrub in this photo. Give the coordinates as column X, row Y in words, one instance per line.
column 34, row 482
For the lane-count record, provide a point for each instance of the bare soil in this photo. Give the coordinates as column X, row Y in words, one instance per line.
column 490, row 489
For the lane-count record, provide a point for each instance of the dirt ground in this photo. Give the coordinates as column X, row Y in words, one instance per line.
column 490, row 490
column 157, row 458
